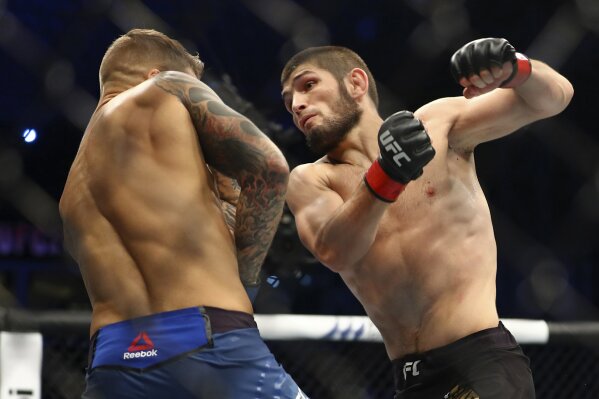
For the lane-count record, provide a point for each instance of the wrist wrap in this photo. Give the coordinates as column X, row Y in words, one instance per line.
column 521, row 72
column 381, row 185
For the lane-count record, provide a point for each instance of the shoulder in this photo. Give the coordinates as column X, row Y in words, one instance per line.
column 439, row 117
column 308, row 177
column 183, row 86
column 305, row 174
column 314, row 170
column 442, row 109
column 176, row 77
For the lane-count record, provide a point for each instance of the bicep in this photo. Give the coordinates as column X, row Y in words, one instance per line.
column 312, row 204
column 483, row 118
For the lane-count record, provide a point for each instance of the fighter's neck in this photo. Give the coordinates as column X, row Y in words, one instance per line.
column 113, row 89
column 360, row 146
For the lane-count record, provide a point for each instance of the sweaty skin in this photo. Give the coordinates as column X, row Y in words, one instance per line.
column 423, row 267
column 151, row 225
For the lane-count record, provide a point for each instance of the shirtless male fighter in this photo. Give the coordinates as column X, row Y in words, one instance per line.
column 169, row 209
column 422, row 262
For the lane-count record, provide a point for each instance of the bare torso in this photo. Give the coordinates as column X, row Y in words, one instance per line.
column 429, row 277
column 423, row 267
column 141, row 214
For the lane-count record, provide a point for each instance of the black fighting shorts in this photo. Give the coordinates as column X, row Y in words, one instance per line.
column 488, row 364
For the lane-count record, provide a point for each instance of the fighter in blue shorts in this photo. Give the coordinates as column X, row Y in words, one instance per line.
column 169, row 209
column 189, row 353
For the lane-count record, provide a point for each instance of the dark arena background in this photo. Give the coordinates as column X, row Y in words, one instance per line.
column 542, row 182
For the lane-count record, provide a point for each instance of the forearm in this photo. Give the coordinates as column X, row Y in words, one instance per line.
column 349, row 233
column 546, row 91
column 258, row 214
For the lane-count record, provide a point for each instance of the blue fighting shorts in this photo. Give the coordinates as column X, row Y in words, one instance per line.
column 199, row 352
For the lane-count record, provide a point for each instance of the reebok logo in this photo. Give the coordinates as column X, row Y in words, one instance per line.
column 141, row 343
column 142, row 346
column 134, row 355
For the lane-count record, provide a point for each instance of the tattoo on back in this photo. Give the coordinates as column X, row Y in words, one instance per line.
column 237, row 148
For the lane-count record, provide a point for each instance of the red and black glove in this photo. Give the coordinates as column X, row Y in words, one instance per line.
column 405, row 148
column 483, row 54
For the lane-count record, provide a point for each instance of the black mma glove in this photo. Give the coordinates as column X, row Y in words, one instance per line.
column 483, row 54
column 404, row 150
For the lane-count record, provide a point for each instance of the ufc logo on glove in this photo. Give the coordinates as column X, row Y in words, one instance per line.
column 391, row 145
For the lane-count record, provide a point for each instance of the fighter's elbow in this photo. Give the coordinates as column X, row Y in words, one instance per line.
column 332, row 261
column 567, row 92
column 278, row 165
column 277, row 172
column 560, row 98
column 333, row 258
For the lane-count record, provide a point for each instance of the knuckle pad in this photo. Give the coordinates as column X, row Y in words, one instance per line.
column 506, row 52
column 481, row 55
column 454, row 67
column 465, row 63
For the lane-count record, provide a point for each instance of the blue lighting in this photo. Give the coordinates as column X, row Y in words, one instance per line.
column 29, row 135
column 273, row 281
column 306, row 280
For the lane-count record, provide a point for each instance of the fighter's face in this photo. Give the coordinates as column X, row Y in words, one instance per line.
column 321, row 107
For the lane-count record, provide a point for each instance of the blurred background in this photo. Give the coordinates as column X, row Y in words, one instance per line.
column 542, row 182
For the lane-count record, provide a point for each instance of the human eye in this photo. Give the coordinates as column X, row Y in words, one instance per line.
column 309, row 84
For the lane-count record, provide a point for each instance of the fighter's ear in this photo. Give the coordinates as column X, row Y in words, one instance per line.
column 153, row 72
column 358, row 83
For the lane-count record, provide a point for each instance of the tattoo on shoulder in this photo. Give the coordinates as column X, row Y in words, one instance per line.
column 187, row 88
column 220, row 109
column 197, row 95
column 250, row 128
column 237, row 148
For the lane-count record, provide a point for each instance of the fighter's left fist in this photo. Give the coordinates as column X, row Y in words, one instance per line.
column 486, row 64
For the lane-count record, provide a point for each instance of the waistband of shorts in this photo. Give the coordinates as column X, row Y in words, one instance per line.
column 163, row 335
column 223, row 320
column 488, row 339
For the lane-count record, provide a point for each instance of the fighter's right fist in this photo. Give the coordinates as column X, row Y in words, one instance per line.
column 405, row 148
column 485, row 64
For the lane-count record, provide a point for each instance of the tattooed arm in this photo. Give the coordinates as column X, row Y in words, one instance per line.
column 228, row 193
column 234, row 146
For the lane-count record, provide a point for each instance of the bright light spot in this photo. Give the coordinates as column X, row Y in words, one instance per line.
column 29, row 135
column 273, row 281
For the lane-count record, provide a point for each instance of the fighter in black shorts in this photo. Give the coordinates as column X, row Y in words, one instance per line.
column 477, row 366
column 401, row 216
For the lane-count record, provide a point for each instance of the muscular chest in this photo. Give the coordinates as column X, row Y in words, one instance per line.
column 417, row 199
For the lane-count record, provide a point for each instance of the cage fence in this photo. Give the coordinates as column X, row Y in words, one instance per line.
column 337, row 366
